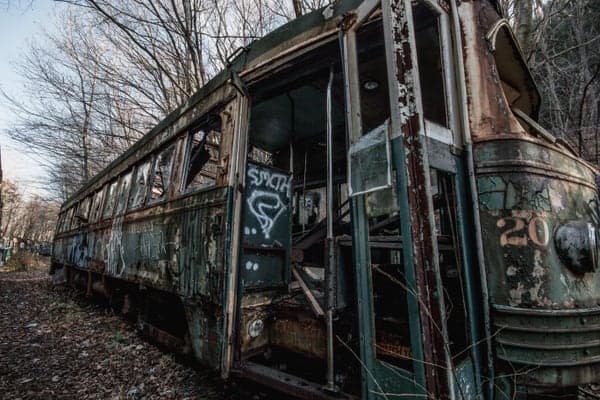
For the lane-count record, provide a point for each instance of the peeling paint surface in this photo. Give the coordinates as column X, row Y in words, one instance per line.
column 266, row 234
column 529, row 191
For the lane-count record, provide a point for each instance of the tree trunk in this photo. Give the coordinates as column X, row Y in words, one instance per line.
column 297, row 7
column 524, row 24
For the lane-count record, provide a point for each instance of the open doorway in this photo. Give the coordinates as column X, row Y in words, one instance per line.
column 284, row 255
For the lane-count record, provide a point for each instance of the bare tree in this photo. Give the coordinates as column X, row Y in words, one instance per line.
column 6, row 5
column 113, row 69
column 10, row 208
column 524, row 23
column 560, row 41
column 37, row 219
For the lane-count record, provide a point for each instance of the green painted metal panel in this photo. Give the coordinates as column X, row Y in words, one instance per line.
column 545, row 303
column 472, row 375
column 201, row 268
column 379, row 377
column 390, row 382
column 521, row 208
column 179, row 247
column 176, row 246
column 466, row 385
column 364, row 295
column 206, row 333
column 266, row 228
column 262, row 268
column 398, row 157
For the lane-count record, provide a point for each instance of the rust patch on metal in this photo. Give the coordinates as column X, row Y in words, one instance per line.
column 418, row 196
column 306, row 336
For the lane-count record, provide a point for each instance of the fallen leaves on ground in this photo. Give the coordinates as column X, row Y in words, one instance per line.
column 55, row 345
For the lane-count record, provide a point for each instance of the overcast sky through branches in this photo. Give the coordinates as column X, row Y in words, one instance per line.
column 19, row 24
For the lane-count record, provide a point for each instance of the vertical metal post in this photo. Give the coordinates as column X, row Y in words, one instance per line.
column 360, row 246
column 237, row 175
column 465, row 127
column 416, row 201
column 330, row 243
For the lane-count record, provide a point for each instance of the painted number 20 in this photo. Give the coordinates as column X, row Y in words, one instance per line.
column 518, row 231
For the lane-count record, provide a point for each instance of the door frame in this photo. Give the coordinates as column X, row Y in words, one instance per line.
column 429, row 339
column 236, row 179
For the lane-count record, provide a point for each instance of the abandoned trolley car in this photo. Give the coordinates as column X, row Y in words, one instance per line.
column 360, row 205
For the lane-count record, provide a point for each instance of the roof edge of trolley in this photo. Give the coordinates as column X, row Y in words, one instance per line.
column 251, row 56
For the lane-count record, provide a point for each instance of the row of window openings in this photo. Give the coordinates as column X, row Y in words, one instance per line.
column 121, row 194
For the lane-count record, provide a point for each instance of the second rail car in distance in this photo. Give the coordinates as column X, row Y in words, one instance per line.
column 361, row 205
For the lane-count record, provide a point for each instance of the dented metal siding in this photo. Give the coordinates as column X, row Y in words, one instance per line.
column 201, row 256
column 177, row 246
column 544, row 308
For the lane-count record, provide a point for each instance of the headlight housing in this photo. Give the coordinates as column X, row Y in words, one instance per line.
column 256, row 328
column 577, row 246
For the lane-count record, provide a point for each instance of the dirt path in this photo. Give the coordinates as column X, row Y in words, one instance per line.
column 54, row 345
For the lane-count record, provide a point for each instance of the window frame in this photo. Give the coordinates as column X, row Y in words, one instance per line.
column 60, row 228
column 134, row 183
column 70, row 218
column 189, row 135
column 97, row 216
column 449, row 134
column 156, row 157
column 107, row 195
column 84, row 213
column 118, row 210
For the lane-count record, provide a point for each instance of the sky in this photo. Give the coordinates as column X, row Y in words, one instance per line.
column 20, row 23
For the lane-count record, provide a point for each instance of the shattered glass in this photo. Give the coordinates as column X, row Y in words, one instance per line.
column 139, row 189
column 124, row 192
column 370, row 162
column 162, row 174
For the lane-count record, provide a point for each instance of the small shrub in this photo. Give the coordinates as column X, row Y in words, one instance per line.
column 18, row 262
column 118, row 337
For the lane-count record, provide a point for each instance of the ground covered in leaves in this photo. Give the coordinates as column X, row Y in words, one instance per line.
column 56, row 345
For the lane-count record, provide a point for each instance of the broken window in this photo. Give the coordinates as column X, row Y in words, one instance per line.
column 139, row 189
column 370, row 153
column 61, row 222
column 517, row 82
column 71, row 223
column 370, row 162
column 66, row 222
column 371, row 176
column 162, row 174
column 431, row 64
column 81, row 213
column 390, row 291
column 109, row 203
column 203, row 155
column 450, row 258
column 84, row 209
column 123, row 195
column 372, row 73
column 96, row 206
